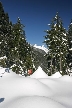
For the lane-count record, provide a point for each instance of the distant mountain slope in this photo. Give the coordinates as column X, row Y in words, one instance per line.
column 41, row 47
column 39, row 54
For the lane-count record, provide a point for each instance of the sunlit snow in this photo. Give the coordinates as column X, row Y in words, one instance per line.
column 49, row 24
column 56, row 75
column 39, row 73
column 3, row 57
column 41, row 47
column 70, row 49
column 36, row 91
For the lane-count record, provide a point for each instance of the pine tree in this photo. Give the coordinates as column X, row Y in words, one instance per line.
column 21, row 50
column 13, row 44
column 2, row 16
column 4, row 33
column 10, row 41
column 69, row 58
column 17, row 50
column 56, row 41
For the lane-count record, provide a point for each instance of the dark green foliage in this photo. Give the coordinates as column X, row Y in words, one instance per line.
column 3, row 62
column 56, row 41
column 13, row 44
column 2, row 16
column 21, row 50
column 4, row 33
column 69, row 56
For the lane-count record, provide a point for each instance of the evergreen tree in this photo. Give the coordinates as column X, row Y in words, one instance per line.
column 13, row 44
column 21, row 50
column 10, row 41
column 2, row 16
column 56, row 41
column 17, row 50
column 4, row 33
column 69, row 58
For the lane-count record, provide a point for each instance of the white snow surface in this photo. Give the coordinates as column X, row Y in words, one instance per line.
column 42, row 92
column 70, row 49
column 56, row 75
column 41, row 47
column 39, row 73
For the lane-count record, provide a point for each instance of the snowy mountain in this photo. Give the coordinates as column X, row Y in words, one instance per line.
column 41, row 47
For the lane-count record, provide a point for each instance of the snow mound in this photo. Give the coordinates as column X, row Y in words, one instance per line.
column 24, row 92
column 33, row 102
column 5, row 72
column 66, row 78
column 56, row 75
column 2, row 71
column 39, row 73
column 13, row 87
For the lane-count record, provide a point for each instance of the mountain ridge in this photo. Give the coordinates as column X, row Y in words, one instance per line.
column 40, row 52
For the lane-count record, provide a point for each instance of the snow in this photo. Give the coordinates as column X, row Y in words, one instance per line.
column 70, row 49
column 2, row 71
column 39, row 73
column 56, row 17
column 55, row 25
column 3, row 57
column 64, row 34
column 56, row 75
column 41, row 47
column 15, row 48
column 55, row 28
column 59, row 26
column 64, row 39
column 37, row 92
column 49, row 24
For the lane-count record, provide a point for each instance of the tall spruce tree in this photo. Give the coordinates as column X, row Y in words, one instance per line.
column 69, row 58
column 2, row 22
column 21, row 50
column 19, row 42
column 56, row 41
column 10, row 41
column 4, row 34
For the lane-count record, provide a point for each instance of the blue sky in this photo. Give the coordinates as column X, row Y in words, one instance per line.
column 36, row 14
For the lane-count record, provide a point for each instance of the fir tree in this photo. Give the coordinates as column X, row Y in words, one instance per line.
column 4, row 33
column 56, row 41
column 10, row 41
column 19, row 42
column 69, row 58
column 21, row 50
column 2, row 16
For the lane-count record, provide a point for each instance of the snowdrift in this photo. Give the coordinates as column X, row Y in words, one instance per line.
column 36, row 92
column 39, row 73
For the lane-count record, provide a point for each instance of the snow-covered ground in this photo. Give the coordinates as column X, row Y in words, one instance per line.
column 36, row 91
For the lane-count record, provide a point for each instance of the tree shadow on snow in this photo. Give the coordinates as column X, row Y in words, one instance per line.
column 1, row 99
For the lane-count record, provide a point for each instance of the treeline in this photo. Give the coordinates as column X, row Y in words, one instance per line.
column 16, row 53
